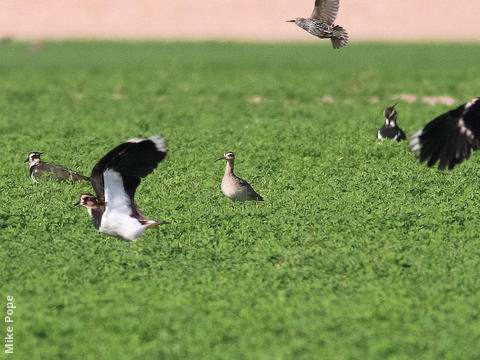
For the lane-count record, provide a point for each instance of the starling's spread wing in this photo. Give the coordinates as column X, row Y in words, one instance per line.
column 133, row 160
column 325, row 11
column 450, row 137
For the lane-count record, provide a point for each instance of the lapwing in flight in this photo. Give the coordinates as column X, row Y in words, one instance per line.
column 115, row 178
column 450, row 137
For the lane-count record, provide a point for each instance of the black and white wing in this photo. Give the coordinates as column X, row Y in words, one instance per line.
column 450, row 137
column 124, row 166
column 325, row 11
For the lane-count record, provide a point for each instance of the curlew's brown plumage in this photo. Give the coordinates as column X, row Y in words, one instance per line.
column 234, row 187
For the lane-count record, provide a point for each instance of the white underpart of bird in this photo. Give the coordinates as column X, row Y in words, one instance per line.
column 234, row 192
column 116, row 219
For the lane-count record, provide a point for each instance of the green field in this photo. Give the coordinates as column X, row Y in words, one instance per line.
column 358, row 252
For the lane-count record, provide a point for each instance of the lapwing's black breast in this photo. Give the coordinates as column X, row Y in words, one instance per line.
column 97, row 217
column 388, row 132
column 33, row 174
column 401, row 135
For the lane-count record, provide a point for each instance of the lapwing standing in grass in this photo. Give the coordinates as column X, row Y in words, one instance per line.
column 235, row 188
column 450, row 137
column 320, row 23
column 38, row 168
column 115, row 179
column 390, row 129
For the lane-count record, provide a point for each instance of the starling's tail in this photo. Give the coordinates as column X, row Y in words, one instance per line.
column 340, row 37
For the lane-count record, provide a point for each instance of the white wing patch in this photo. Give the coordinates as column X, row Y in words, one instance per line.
column 116, row 220
column 415, row 140
column 115, row 195
column 136, row 140
column 159, row 142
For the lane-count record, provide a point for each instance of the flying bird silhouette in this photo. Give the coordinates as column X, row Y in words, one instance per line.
column 321, row 23
column 450, row 137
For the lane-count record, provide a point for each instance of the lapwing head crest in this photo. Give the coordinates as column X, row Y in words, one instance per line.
column 390, row 114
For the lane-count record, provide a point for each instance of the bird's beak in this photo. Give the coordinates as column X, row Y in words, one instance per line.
column 77, row 203
column 222, row 158
column 290, row 21
column 26, row 160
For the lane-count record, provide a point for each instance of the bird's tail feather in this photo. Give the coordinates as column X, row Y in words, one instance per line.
column 78, row 177
column 152, row 223
column 340, row 37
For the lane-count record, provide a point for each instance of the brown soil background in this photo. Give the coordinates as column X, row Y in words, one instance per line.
column 236, row 20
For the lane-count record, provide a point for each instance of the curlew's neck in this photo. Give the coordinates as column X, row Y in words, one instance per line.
column 229, row 168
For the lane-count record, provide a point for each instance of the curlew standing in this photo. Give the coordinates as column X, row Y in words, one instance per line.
column 234, row 187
